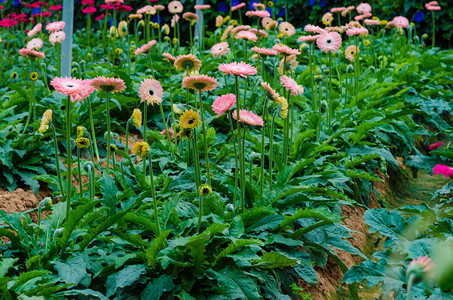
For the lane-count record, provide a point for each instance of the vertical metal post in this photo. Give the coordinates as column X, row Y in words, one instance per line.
column 199, row 25
column 66, row 47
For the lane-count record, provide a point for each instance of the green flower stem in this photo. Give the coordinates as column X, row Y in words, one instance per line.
column 190, row 37
column 159, row 33
column 108, row 132
column 89, row 29
column 58, row 59
column 79, row 173
column 434, row 30
column 356, row 70
column 57, row 160
column 145, row 113
column 153, row 193
column 93, row 134
column 114, row 160
column 129, row 61
column 244, row 49
column 32, row 100
column 171, row 102
column 312, row 79
column 196, row 159
column 44, row 77
column 151, row 62
column 170, row 144
column 127, row 135
column 271, row 151
column 230, row 118
column 318, row 134
column 241, row 157
column 263, row 134
column 200, row 213
column 329, row 105
column 410, row 283
column 203, row 127
column 90, row 181
column 68, row 153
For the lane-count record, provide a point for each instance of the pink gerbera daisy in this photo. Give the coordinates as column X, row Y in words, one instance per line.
column 258, row 13
column 190, row 16
column 401, row 22
column 264, row 51
column 151, row 91
column 240, row 28
column 84, row 92
column 220, row 49
column 361, row 17
column 223, row 103
column 269, row 90
column 247, row 35
column 145, row 47
column 57, row 37
column 35, row 30
column 308, row 38
column 423, row 264
column 285, row 50
column 248, row 117
column 236, row 7
column 291, row 85
column 371, row 22
column 55, row 26
column 313, row 28
column 363, row 8
column 337, row 9
column 31, row 53
column 434, row 146
column 262, row 33
column 168, row 57
column 444, row 170
column 202, row 7
column 68, row 85
column 433, row 7
column 238, row 69
column 329, row 42
column 356, row 31
column 287, row 29
column 107, row 84
column 175, row 7
column 199, row 82
column 34, row 44
column 159, row 7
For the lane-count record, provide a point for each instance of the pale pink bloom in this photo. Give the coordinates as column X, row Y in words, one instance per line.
column 31, row 53
column 175, row 7
column 57, row 37
column 356, row 31
column 240, row 28
column 424, row 262
column 190, row 16
column 151, row 91
column 347, row 10
column 84, row 92
column 264, row 51
column 174, row 20
column 313, row 28
column 199, row 82
column 433, row 7
column 34, row 44
column 361, row 17
column 113, row 1
column 291, row 85
column 145, row 47
column 363, row 8
column 334, row 28
column 401, row 22
column 223, row 103
column 236, row 7
column 262, row 33
column 55, row 26
column 108, row 84
column 68, row 85
column 371, row 22
column 258, row 13
column 270, row 90
column 287, row 29
column 144, row 9
column 248, row 117
column 432, row 3
column 337, row 9
column 159, row 7
column 238, row 69
column 247, row 35
column 168, row 57
column 35, row 30
column 434, row 146
column 202, row 7
column 308, row 38
column 285, row 50
column 220, row 49
column 329, row 42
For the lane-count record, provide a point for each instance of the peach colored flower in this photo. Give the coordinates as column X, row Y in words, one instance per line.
column 262, row 33
column 291, row 85
column 151, row 91
column 175, row 7
column 84, row 92
column 273, row 94
column 37, row 28
column 258, row 13
column 285, row 50
column 202, row 7
column 238, row 69
column 247, row 35
column 190, row 16
column 68, row 85
column 107, row 84
column 199, row 82
column 350, row 52
column 363, row 8
column 240, row 28
column 356, row 31
column 236, row 7
column 248, row 117
column 401, row 22
column 187, row 63
column 168, row 57
column 264, row 51
column 223, row 103
column 313, row 28
column 308, row 38
column 145, row 47
column 220, row 49
column 287, row 29
column 329, row 42
column 31, row 53
column 337, row 9
column 34, row 44
column 57, row 37
column 55, row 26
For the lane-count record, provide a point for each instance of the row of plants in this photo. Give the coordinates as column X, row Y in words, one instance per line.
column 217, row 167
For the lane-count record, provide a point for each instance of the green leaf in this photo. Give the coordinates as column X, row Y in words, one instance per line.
column 86, row 292
column 26, row 277
column 273, row 259
column 109, row 190
column 158, row 286
column 363, row 176
column 321, row 213
column 6, row 264
column 235, row 246
column 156, row 246
column 234, row 284
column 140, row 220
column 73, row 271
column 387, row 223
column 124, row 278
column 197, row 246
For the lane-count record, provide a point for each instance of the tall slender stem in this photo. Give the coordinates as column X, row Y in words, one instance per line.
column 108, row 132
column 263, row 134
column 241, row 158
column 329, row 106
column 236, row 171
column 79, row 171
column 170, row 145
column 93, row 133
column 153, row 193
column 205, row 142
column 145, row 113
column 57, row 161
column 68, row 153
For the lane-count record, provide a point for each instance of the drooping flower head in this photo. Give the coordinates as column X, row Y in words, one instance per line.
column 189, row 119
column 287, row 29
column 270, row 91
column 187, row 63
column 145, row 47
column 199, row 82
column 223, row 103
column 57, row 37
column 226, row 33
column 46, row 118
column 151, row 91
column 350, row 52
column 141, row 149
column 204, row 190
column 175, row 7
column 168, row 57
column 285, row 50
column 220, row 49
column 109, row 85
column 55, row 26
column 137, row 117
column 327, row 18
column 421, row 268
column 37, row 28
column 329, row 42
column 291, row 85
column 248, row 117
column 238, row 69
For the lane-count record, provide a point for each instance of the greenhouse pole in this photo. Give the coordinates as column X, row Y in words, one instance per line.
column 66, row 47
column 199, row 25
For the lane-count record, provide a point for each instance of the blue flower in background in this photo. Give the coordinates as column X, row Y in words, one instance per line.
column 312, row 2
column 234, row 2
column 36, row 11
column 269, row 10
column 16, row 3
column 419, row 16
column 110, row 22
column 281, row 12
column 1, row 1
column 251, row 4
column 322, row 3
column 157, row 19
column 223, row 7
